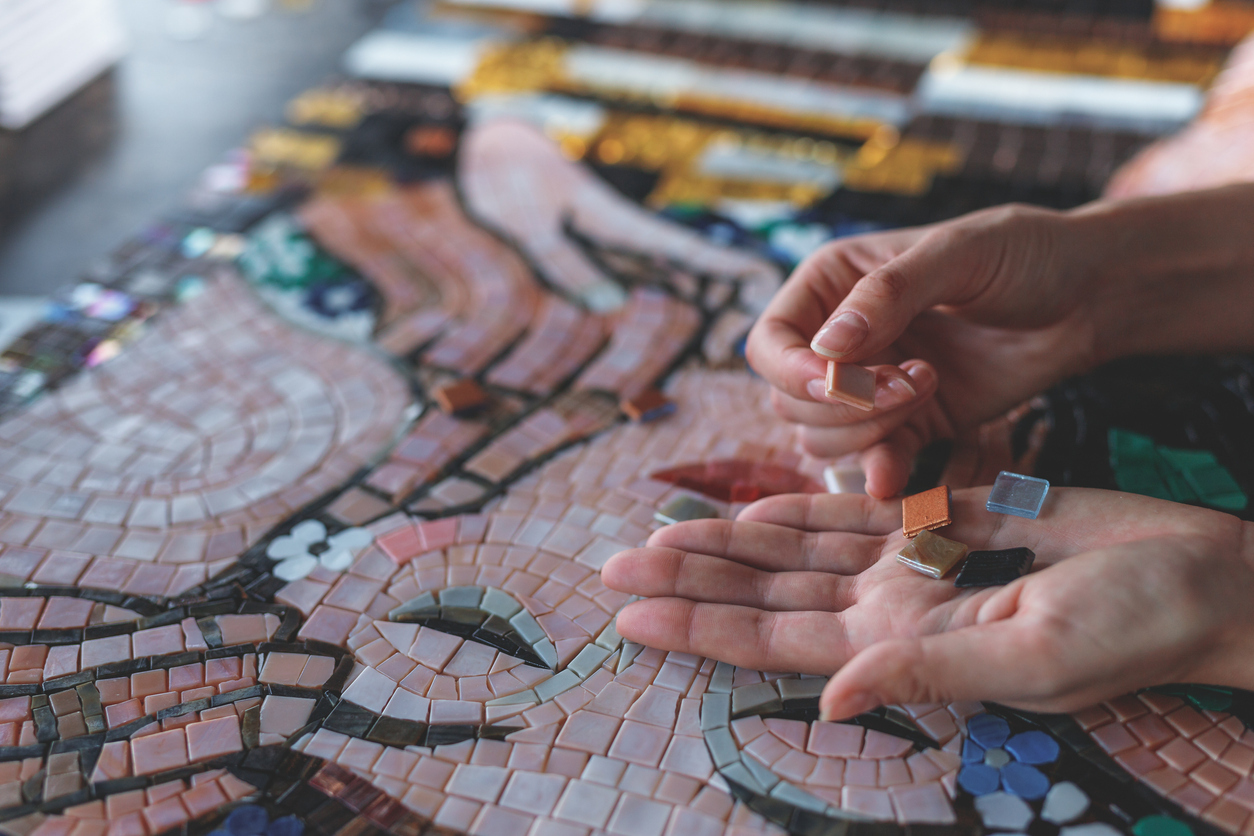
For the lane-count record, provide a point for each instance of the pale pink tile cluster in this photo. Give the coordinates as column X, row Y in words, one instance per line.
column 653, row 329
column 153, row 472
column 421, row 251
column 860, row 770
column 1202, row 760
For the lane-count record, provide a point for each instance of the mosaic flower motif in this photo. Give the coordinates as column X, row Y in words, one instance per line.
column 307, row 546
column 994, row 760
column 253, row 820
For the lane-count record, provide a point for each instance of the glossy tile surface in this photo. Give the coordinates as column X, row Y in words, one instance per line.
column 925, row 511
column 1021, row 496
column 305, row 534
column 931, row 554
column 850, row 384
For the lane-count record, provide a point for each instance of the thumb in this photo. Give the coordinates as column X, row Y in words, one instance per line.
column 985, row 662
column 883, row 303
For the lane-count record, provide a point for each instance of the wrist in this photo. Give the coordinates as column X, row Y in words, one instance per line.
column 1155, row 268
column 1231, row 656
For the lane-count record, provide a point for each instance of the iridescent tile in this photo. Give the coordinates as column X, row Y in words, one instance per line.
column 931, row 554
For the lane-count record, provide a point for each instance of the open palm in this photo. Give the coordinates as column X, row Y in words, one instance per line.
column 1127, row 592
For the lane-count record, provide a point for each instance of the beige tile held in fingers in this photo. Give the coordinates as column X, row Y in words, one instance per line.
column 851, row 384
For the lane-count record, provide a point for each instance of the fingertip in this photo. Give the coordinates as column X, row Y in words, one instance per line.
column 886, row 473
column 839, row 702
column 617, row 571
column 762, row 510
column 842, row 334
column 910, row 382
column 632, row 622
column 923, row 376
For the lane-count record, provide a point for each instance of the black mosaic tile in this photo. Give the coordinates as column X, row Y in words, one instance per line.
column 994, row 568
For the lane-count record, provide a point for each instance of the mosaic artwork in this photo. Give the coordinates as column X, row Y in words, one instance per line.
column 305, row 491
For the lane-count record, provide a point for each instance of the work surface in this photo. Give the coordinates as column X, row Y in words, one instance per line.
column 306, row 489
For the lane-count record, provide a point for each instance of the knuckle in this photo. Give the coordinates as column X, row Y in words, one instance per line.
column 891, row 284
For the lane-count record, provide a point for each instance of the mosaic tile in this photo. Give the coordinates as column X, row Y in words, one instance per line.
column 850, row 384
column 931, row 554
column 306, row 586
column 1019, row 495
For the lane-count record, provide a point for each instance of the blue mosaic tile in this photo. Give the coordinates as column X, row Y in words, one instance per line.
column 249, row 820
column 978, row 779
column 1025, row 781
column 1033, row 747
column 988, row 731
column 972, row 752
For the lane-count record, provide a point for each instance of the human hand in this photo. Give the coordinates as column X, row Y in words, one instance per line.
column 961, row 321
column 1128, row 592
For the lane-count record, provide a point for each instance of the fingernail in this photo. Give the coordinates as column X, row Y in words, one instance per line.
column 894, row 393
column 840, row 336
column 920, row 373
column 825, row 715
column 817, row 389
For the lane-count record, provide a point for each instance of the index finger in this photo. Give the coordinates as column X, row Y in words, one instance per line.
column 798, row 642
column 779, row 344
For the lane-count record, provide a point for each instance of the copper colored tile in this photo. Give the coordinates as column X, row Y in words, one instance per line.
column 851, row 384
column 646, row 406
column 925, row 511
column 461, row 397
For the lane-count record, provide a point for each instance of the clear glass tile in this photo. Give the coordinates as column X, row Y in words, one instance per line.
column 1021, row 496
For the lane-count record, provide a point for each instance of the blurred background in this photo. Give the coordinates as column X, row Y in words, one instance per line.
column 147, row 146
column 109, row 109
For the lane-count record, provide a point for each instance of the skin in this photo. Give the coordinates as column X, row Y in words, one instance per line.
column 1126, row 592
column 977, row 314
column 962, row 321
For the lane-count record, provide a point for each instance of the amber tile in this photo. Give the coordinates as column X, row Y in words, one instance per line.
column 649, row 405
column 460, row 398
column 926, row 511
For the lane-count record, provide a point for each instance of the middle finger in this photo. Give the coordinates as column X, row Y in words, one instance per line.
column 774, row 548
column 673, row 573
